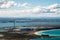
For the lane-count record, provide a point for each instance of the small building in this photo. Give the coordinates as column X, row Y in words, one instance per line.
column 26, row 29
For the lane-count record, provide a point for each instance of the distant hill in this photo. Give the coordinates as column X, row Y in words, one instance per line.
column 31, row 19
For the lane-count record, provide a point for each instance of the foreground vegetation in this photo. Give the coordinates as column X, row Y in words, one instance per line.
column 17, row 36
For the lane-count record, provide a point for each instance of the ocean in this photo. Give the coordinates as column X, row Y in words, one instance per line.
column 28, row 24
column 55, row 32
column 9, row 22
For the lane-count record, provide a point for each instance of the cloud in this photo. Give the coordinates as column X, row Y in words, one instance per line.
column 20, row 13
column 36, row 11
column 3, row 0
column 54, row 6
column 23, row 5
column 9, row 3
column 33, row 12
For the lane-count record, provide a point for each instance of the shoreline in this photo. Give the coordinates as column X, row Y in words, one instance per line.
column 36, row 33
column 32, row 34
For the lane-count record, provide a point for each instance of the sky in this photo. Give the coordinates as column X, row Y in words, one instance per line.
column 29, row 8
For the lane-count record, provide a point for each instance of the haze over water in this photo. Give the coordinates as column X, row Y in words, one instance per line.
column 9, row 22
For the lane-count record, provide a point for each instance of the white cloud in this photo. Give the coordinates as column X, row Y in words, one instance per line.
column 37, row 11
column 54, row 6
column 10, row 3
column 20, row 13
column 3, row 0
column 25, row 5
column 33, row 12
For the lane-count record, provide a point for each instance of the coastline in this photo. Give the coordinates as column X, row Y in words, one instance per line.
column 36, row 33
column 29, row 35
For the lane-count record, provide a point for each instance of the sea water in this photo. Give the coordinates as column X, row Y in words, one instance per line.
column 46, row 39
column 55, row 32
column 9, row 24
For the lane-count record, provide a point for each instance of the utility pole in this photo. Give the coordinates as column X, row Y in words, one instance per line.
column 14, row 23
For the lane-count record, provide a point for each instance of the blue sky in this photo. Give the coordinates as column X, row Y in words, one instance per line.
column 29, row 8
column 42, row 2
column 39, row 2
